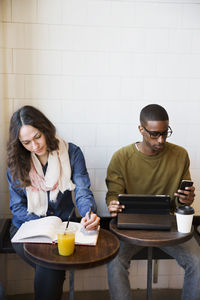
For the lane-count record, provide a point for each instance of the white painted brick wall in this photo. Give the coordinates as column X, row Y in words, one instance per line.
column 91, row 65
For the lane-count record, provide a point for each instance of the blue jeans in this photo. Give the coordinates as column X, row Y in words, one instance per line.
column 48, row 283
column 186, row 254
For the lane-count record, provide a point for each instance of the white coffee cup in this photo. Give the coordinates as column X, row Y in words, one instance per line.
column 184, row 217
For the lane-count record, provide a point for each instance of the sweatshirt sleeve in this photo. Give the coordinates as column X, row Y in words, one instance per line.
column 114, row 179
column 83, row 195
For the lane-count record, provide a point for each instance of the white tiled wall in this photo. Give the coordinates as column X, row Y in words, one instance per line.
column 91, row 65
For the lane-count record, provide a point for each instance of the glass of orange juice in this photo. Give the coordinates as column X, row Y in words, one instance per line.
column 66, row 242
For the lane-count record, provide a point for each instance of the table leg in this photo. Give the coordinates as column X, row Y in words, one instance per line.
column 71, row 285
column 149, row 274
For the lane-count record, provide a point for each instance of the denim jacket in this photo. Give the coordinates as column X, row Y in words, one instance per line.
column 62, row 207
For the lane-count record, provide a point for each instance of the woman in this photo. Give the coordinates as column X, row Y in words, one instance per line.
column 43, row 170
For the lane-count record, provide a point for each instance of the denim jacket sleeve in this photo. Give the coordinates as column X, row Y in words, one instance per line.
column 18, row 203
column 83, row 196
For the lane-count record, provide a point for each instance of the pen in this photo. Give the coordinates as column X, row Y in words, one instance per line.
column 89, row 213
column 70, row 217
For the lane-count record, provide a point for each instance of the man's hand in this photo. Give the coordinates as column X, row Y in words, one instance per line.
column 115, row 207
column 90, row 222
column 188, row 195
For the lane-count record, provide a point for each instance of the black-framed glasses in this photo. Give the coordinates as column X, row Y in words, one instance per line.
column 157, row 134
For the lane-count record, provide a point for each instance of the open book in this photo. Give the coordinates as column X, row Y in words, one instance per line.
column 45, row 230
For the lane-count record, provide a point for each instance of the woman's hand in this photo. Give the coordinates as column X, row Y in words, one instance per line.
column 90, row 222
column 115, row 207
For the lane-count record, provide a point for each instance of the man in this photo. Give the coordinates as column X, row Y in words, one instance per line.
column 152, row 166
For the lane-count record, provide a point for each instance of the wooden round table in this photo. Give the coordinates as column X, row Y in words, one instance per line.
column 84, row 257
column 150, row 239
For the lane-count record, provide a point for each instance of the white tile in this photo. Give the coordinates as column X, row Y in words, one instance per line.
column 43, row 87
column 65, row 131
column 84, row 88
column 11, row 86
column 176, row 282
column 4, row 205
column 122, row 64
column 108, row 88
column 74, row 12
column 12, row 35
column 100, row 175
column 96, row 157
column 19, row 270
column 6, row 61
column 139, row 282
column 129, row 112
column 90, row 112
column 61, row 37
column 132, row 39
column 167, row 89
column 195, row 178
column 99, row 13
column 24, row 11
column 66, row 87
column 53, row 111
column 49, row 11
column 102, row 209
column 107, row 135
column 195, row 43
column 3, row 182
column 85, row 63
column 180, row 40
column 175, row 268
column 36, row 36
column 184, row 107
column 157, row 40
column 175, row 65
column 91, row 173
column 132, row 88
column 24, row 287
column 94, row 283
column 133, row 268
column 196, row 203
column 100, row 271
column 142, row 267
column 158, row 15
column 162, row 283
column 17, row 103
column 37, row 62
column 145, row 65
column 164, row 267
column 129, row 133
column 95, row 38
column 190, row 15
column 123, row 13
column 11, row 287
column 5, row 10
column 193, row 65
column 84, row 134
column 74, row 111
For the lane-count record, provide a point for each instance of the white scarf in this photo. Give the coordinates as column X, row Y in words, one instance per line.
column 57, row 178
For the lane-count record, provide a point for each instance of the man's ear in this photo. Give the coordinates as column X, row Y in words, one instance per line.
column 141, row 129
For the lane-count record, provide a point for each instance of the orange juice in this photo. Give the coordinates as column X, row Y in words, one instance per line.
column 66, row 243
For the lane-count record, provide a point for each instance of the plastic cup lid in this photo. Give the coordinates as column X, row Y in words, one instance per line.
column 185, row 210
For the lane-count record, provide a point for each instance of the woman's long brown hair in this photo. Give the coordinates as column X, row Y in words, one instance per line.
column 18, row 157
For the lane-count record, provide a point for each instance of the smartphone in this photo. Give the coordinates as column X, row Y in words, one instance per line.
column 184, row 184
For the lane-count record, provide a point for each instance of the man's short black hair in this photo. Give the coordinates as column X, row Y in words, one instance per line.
column 153, row 112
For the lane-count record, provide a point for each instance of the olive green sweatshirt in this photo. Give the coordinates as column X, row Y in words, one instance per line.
column 132, row 172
